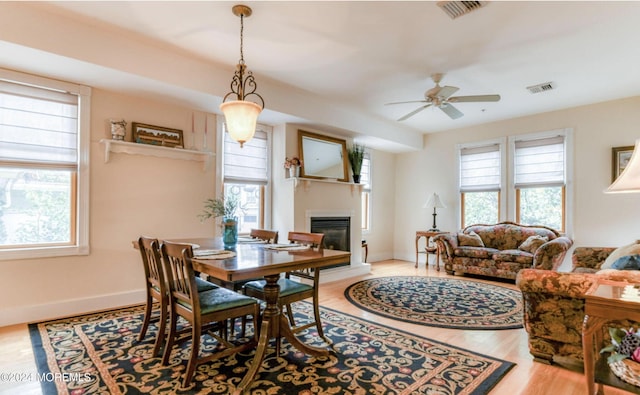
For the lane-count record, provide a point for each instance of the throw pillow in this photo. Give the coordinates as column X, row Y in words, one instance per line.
column 629, row 262
column 631, row 249
column 533, row 243
column 471, row 239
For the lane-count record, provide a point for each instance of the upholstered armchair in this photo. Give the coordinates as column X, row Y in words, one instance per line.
column 554, row 303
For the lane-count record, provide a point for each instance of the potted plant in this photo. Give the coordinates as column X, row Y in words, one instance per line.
column 356, row 156
column 228, row 210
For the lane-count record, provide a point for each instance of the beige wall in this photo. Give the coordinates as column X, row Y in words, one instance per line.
column 129, row 196
column 599, row 219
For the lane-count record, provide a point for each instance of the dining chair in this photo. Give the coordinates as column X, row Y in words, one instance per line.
column 293, row 291
column 270, row 236
column 215, row 306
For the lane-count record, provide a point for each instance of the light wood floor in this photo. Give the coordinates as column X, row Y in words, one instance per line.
column 527, row 378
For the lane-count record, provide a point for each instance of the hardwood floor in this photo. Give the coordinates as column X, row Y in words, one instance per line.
column 526, row 378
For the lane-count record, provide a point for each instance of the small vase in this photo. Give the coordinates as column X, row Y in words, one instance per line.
column 294, row 171
column 356, row 178
column 230, row 231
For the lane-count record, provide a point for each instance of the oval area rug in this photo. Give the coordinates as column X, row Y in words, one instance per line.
column 440, row 302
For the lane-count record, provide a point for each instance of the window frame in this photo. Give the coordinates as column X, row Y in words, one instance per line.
column 80, row 216
column 365, row 197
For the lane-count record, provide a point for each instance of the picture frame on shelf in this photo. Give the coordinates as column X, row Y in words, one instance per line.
column 157, row 135
column 620, row 159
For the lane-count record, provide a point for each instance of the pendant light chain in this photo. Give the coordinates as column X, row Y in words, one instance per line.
column 241, row 38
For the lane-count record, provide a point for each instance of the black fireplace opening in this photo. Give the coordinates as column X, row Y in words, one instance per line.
column 337, row 233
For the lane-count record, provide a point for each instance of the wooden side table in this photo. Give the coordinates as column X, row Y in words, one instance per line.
column 428, row 234
column 605, row 303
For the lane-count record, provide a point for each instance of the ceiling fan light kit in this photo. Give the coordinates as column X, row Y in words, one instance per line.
column 441, row 97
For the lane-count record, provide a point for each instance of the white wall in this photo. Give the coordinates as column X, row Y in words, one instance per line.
column 599, row 219
column 130, row 196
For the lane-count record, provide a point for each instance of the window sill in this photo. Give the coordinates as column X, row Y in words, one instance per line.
column 152, row 150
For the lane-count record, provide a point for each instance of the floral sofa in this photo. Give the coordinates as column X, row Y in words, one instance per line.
column 554, row 303
column 502, row 250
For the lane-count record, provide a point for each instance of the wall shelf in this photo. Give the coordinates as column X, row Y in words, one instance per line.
column 153, row 150
column 306, row 183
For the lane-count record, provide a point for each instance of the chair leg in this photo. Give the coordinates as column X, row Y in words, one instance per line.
column 316, row 315
column 290, row 315
column 160, row 336
column 147, row 318
column 195, row 350
column 170, row 339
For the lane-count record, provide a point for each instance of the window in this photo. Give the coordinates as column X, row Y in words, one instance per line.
column 43, row 167
column 246, row 177
column 365, row 180
column 539, row 181
column 480, row 183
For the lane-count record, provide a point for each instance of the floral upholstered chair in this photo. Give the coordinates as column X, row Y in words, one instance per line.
column 554, row 302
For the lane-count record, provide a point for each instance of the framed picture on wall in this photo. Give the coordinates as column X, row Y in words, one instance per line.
column 157, row 135
column 621, row 156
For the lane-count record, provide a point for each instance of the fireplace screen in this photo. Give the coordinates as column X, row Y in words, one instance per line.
column 336, row 232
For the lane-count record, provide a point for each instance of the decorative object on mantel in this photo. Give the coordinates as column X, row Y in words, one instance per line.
column 293, row 166
column 241, row 115
column 157, row 135
column 228, row 210
column 434, row 201
column 629, row 179
column 118, row 129
column 356, row 156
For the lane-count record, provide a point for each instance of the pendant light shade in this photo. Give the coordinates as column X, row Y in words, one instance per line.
column 241, row 116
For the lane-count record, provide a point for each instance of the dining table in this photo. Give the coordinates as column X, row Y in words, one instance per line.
column 252, row 259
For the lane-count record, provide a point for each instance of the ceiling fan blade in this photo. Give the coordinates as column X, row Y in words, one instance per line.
column 414, row 112
column 406, row 102
column 478, row 98
column 451, row 111
column 447, row 91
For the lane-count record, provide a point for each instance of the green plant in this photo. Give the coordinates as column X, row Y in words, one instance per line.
column 356, row 156
column 220, row 207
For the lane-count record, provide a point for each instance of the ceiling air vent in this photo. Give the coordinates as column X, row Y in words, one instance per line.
column 458, row 8
column 547, row 86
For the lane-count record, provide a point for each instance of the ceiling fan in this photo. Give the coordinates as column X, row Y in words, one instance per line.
column 440, row 97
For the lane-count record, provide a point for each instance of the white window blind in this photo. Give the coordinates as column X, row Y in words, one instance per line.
column 38, row 126
column 480, row 168
column 365, row 172
column 540, row 162
column 249, row 164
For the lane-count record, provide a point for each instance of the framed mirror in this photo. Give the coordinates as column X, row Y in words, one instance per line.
column 322, row 156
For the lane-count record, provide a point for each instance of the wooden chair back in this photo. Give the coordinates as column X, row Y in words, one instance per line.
column 180, row 275
column 152, row 262
column 314, row 240
column 270, row 236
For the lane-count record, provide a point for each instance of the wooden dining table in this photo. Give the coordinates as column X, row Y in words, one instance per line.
column 254, row 260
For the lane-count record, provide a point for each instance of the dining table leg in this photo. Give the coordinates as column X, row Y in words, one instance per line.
column 274, row 324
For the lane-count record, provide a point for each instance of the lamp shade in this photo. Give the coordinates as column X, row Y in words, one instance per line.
column 629, row 179
column 434, row 202
column 241, row 117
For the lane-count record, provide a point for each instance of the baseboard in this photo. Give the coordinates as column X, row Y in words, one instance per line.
column 343, row 272
column 41, row 312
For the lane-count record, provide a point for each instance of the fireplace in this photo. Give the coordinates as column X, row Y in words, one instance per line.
column 337, row 233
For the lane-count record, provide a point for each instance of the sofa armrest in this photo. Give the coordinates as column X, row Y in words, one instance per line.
column 557, row 284
column 590, row 258
column 446, row 242
column 551, row 254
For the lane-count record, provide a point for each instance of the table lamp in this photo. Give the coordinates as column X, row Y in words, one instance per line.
column 434, row 201
column 629, row 179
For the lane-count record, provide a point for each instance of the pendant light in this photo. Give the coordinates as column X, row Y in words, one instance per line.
column 241, row 115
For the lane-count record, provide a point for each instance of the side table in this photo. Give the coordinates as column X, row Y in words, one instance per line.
column 605, row 303
column 428, row 234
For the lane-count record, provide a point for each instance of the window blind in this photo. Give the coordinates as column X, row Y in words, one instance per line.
column 539, row 162
column 38, row 125
column 480, row 168
column 249, row 164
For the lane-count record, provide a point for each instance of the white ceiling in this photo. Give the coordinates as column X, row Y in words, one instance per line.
column 362, row 55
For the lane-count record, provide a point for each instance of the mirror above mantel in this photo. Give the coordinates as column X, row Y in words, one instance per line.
column 323, row 157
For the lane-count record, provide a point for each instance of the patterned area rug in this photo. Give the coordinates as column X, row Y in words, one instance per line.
column 98, row 353
column 441, row 302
